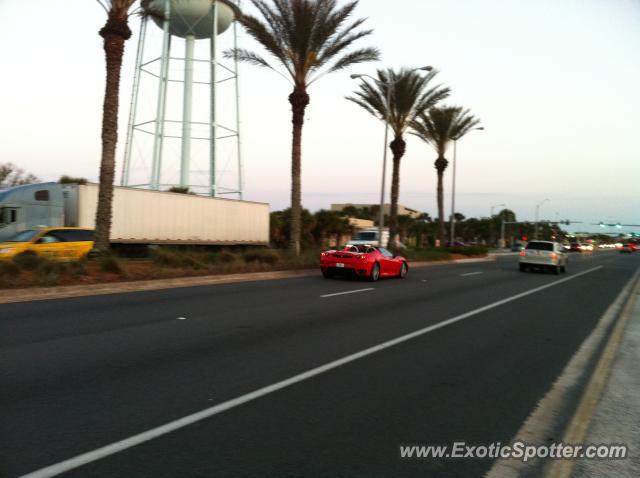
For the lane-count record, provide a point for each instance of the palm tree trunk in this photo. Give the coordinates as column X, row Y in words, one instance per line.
column 398, row 148
column 299, row 100
column 441, row 165
column 115, row 32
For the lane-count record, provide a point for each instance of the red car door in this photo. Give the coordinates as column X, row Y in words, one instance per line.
column 388, row 265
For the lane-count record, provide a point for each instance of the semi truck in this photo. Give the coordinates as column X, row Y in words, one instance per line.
column 140, row 216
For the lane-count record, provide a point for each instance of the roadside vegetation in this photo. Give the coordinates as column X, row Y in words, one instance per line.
column 31, row 270
column 28, row 270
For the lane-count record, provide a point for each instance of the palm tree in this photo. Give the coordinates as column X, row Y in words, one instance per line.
column 308, row 39
column 115, row 32
column 438, row 127
column 410, row 96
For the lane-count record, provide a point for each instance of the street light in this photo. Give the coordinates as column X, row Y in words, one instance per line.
column 495, row 206
column 453, row 188
column 535, row 234
column 387, row 122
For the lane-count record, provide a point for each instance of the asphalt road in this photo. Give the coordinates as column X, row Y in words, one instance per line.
column 79, row 374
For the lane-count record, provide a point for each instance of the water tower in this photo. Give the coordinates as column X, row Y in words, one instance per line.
column 183, row 75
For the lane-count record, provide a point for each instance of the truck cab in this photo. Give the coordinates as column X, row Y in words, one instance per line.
column 370, row 235
column 30, row 206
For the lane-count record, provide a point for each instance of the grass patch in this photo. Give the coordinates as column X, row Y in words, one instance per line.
column 468, row 250
column 428, row 254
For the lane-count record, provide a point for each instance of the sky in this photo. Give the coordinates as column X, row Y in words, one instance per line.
column 554, row 83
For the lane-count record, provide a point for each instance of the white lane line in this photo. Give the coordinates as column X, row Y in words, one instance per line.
column 181, row 318
column 471, row 274
column 348, row 292
column 116, row 447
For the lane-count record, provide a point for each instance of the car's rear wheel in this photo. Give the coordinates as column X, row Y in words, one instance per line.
column 327, row 274
column 403, row 270
column 375, row 272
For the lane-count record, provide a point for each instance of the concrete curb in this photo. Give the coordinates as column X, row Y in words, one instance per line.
column 540, row 425
column 576, row 431
column 9, row 296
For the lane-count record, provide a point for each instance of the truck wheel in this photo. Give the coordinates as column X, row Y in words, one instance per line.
column 556, row 270
column 523, row 268
column 375, row 272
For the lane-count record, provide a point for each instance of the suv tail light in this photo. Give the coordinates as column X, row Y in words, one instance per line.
column 523, row 253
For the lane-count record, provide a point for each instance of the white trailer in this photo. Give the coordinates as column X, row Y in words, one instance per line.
column 142, row 216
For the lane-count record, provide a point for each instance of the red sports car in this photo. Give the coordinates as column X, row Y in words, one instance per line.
column 363, row 261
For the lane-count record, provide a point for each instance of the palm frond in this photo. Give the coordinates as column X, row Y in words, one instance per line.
column 306, row 35
column 359, row 56
column 410, row 96
column 441, row 125
column 246, row 56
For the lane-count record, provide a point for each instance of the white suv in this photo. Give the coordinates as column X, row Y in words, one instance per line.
column 544, row 255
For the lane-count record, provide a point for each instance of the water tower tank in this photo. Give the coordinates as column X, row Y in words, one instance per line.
column 192, row 17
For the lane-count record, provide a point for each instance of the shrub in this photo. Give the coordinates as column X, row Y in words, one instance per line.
column 191, row 261
column 29, row 260
column 48, row 267
column 227, row 256
column 265, row 256
column 426, row 254
column 165, row 257
column 9, row 269
column 109, row 263
column 468, row 250
column 77, row 269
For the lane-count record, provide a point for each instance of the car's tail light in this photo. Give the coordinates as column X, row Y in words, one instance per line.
column 523, row 253
column 322, row 254
column 362, row 258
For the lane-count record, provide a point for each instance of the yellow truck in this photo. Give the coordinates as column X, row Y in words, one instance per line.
column 63, row 244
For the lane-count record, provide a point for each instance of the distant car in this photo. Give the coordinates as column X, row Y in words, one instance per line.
column 363, row 260
column 62, row 244
column 575, row 247
column 517, row 247
column 544, row 255
column 629, row 248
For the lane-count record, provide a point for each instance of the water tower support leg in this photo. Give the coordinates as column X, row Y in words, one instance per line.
column 186, row 111
column 162, row 100
column 238, row 137
column 126, row 167
column 213, row 119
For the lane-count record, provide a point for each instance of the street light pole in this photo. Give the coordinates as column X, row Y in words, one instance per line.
column 535, row 234
column 452, row 221
column 491, row 218
column 453, row 189
column 387, row 124
column 384, row 166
